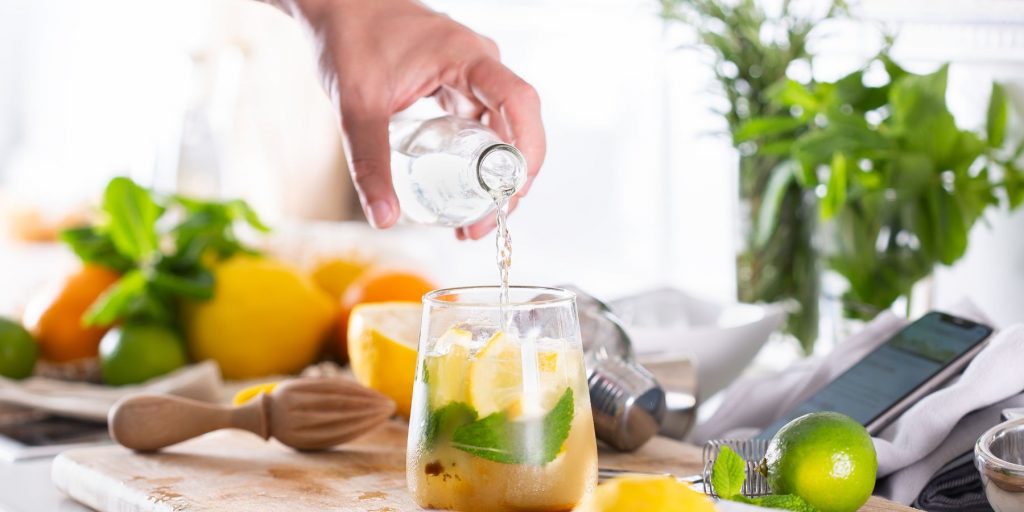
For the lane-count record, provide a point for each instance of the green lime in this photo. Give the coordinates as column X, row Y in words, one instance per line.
column 135, row 353
column 18, row 350
column 826, row 458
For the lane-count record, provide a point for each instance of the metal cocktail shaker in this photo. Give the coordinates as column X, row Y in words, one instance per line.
column 628, row 403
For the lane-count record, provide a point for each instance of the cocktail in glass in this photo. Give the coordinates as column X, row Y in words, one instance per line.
column 501, row 416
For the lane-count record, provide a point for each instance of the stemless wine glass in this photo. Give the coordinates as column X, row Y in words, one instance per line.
column 501, row 412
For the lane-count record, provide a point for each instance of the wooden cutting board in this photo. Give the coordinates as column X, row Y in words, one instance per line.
column 236, row 471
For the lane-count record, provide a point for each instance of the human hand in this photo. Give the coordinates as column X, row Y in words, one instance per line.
column 378, row 57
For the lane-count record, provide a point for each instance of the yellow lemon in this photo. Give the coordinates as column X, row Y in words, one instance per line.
column 382, row 348
column 264, row 318
column 647, row 493
column 496, row 378
column 447, row 372
column 335, row 275
column 251, row 392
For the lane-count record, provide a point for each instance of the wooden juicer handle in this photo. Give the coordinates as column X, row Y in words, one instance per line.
column 150, row 422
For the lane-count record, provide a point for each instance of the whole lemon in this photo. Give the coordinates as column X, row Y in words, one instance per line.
column 826, row 458
column 264, row 318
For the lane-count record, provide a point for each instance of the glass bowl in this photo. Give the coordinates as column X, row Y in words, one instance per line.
column 999, row 455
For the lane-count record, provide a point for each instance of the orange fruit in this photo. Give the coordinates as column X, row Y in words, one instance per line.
column 378, row 286
column 55, row 317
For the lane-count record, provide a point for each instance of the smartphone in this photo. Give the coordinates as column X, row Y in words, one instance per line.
column 914, row 362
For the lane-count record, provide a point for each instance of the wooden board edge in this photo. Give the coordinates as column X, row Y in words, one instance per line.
column 82, row 484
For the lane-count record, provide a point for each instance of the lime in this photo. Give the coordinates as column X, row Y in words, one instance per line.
column 826, row 458
column 18, row 351
column 135, row 353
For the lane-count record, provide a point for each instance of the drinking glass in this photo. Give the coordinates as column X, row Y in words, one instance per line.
column 501, row 415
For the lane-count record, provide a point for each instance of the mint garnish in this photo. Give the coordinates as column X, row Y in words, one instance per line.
column 496, row 438
column 728, row 473
column 445, row 420
column 727, row 476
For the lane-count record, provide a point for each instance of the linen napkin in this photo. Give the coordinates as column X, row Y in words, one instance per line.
column 919, row 443
column 86, row 401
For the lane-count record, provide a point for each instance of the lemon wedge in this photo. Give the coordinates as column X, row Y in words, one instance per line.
column 649, row 493
column 382, row 348
column 251, row 392
column 496, row 379
column 448, row 371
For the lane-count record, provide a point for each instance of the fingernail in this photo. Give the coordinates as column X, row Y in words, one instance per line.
column 380, row 213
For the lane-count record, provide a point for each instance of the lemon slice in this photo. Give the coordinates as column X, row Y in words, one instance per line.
column 251, row 392
column 447, row 371
column 496, row 379
column 382, row 348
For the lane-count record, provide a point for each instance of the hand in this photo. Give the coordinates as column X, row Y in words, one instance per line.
column 377, row 57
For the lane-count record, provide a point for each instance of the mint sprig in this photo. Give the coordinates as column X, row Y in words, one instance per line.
column 496, row 438
column 160, row 263
column 728, row 473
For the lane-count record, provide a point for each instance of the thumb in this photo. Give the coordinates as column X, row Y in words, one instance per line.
column 369, row 154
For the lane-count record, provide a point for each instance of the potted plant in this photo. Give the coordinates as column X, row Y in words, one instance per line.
column 751, row 50
column 900, row 185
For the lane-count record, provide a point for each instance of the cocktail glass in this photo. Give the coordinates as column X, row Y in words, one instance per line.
column 501, row 414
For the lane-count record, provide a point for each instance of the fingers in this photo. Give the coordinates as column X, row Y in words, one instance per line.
column 518, row 105
column 369, row 156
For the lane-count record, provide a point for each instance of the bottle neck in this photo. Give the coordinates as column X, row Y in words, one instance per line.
column 501, row 170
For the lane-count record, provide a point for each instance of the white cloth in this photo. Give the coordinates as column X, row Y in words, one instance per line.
column 933, row 431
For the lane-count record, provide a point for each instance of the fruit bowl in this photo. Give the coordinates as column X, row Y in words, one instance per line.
column 999, row 456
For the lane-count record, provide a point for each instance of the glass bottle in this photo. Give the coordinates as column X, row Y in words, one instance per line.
column 450, row 171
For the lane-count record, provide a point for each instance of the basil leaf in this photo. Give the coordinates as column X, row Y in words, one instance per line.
column 998, row 111
column 116, row 301
column 132, row 214
column 728, row 473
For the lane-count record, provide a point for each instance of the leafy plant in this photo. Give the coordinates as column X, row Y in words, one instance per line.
column 751, row 51
column 900, row 184
column 728, row 473
column 158, row 266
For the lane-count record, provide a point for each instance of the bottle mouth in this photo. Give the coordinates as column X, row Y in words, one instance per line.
column 501, row 170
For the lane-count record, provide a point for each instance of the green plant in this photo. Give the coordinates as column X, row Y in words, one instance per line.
column 751, row 50
column 900, row 184
column 159, row 265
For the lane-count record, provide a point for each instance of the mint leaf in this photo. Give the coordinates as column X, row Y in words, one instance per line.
column 445, row 420
column 784, row 501
column 131, row 219
column 94, row 247
column 117, row 301
column 496, row 438
column 728, row 473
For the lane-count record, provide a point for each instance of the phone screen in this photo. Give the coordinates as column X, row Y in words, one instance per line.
column 909, row 359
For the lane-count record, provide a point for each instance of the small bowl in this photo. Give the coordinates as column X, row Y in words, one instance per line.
column 999, row 455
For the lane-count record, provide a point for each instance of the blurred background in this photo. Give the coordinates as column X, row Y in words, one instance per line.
column 218, row 98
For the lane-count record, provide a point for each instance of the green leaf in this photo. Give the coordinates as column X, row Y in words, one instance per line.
column 728, row 473
column 784, row 502
column 835, row 193
column 791, row 93
column 117, row 301
column 197, row 284
column 767, row 126
column 441, row 423
column 240, row 210
column 132, row 213
column 496, row 438
column 1014, row 183
column 94, row 247
column 771, row 202
column 998, row 111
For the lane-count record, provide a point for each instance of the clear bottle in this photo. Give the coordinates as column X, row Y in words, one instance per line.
column 450, row 171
